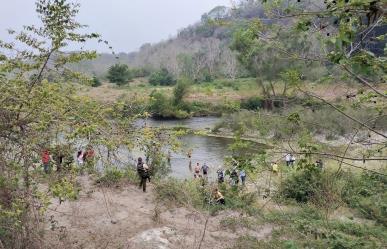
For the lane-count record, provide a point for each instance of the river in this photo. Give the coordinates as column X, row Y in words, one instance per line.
column 211, row 150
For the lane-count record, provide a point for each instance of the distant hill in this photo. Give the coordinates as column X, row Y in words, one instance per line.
column 199, row 51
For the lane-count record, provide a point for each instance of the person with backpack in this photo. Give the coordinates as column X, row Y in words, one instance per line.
column 142, row 173
column 205, row 169
column 220, row 173
column 147, row 171
column 234, row 177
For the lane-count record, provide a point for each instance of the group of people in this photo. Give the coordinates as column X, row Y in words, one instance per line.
column 290, row 159
column 235, row 175
column 203, row 169
column 58, row 158
column 85, row 156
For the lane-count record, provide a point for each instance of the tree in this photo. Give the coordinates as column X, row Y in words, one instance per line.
column 162, row 77
column 263, row 58
column 38, row 115
column 95, row 82
column 119, row 74
column 180, row 90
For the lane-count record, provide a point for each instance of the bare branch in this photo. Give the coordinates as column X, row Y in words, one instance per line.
column 363, row 81
column 345, row 114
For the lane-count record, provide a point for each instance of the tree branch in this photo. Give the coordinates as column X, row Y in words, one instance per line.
column 345, row 114
column 363, row 81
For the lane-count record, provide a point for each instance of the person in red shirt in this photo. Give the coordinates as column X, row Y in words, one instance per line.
column 46, row 161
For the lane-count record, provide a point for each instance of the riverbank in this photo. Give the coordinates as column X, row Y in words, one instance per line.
column 125, row 217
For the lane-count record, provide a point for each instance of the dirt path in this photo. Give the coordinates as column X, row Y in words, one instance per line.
column 125, row 218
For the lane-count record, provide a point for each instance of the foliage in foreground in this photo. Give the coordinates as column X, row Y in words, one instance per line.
column 40, row 111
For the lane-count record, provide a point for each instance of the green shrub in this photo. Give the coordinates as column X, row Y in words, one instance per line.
column 95, row 82
column 111, row 177
column 162, row 107
column 65, row 189
column 252, row 103
column 119, row 74
column 366, row 193
column 302, row 185
column 159, row 103
column 176, row 193
column 162, row 78
column 308, row 228
column 179, row 91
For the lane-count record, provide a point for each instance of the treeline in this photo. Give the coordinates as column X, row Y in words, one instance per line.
column 224, row 45
column 200, row 52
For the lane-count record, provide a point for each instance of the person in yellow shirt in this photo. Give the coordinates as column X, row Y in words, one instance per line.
column 218, row 197
column 274, row 167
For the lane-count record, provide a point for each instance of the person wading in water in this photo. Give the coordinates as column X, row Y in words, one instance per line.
column 197, row 170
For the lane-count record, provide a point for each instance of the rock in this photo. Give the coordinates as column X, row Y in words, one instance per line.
column 152, row 239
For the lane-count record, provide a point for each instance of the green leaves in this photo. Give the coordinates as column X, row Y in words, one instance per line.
column 303, row 25
column 119, row 74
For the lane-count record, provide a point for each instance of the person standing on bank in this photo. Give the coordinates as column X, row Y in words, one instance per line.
column 292, row 160
column 220, row 173
column 288, row 157
column 142, row 173
column 46, row 161
column 205, row 169
column 242, row 174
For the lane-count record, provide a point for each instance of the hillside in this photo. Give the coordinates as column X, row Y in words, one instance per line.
column 199, row 50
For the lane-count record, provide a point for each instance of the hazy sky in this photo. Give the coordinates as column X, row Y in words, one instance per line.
column 126, row 24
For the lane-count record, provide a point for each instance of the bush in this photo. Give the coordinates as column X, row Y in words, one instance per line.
column 308, row 228
column 119, row 74
column 159, row 104
column 95, row 82
column 162, row 77
column 180, row 90
column 162, row 107
column 366, row 193
column 111, row 177
column 252, row 103
column 176, row 193
column 302, row 185
column 64, row 189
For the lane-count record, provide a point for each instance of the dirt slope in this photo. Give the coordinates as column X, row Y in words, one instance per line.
column 125, row 218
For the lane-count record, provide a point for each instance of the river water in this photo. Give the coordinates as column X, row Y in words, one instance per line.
column 209, row 150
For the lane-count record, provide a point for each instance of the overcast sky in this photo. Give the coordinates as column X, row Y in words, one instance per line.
column 126, row 24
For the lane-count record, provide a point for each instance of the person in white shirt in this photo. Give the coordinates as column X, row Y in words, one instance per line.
column 288, row 159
